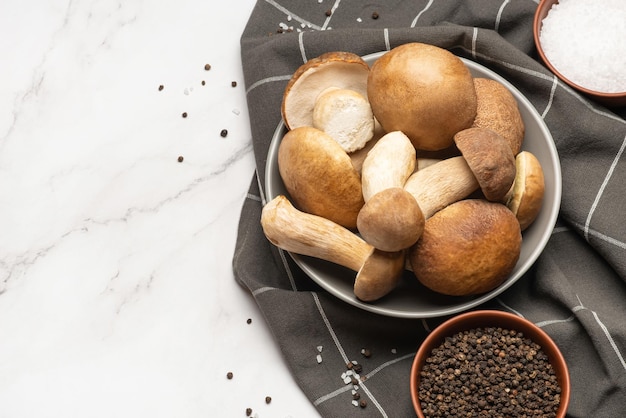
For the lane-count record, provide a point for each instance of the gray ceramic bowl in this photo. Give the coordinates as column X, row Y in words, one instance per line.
column 410, row 299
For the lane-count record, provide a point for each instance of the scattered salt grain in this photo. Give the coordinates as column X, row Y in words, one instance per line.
column 355, row 403
column 289, row 18
column 358, row 19
column 584, row 41
column 283, row 26
column 394, row 351
column 320, row 348
column 319, row 358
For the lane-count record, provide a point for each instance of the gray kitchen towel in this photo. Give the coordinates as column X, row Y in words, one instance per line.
column 576, row 291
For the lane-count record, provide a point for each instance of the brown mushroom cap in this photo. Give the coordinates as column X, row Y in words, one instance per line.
column 526, row 196
column 467, row 248
column 497, row 110
column 332, row 69
column 319, row 176
column 490, row 158
column 391, row 220
column 424, row 91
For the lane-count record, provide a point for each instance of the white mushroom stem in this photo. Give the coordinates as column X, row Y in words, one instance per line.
column 441, row 184
column 302, row 233
column 388, row 164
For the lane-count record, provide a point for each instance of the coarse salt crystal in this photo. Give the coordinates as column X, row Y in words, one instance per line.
column 355, row 403
column 584, row 41
column 358, row 19
column 319, row 358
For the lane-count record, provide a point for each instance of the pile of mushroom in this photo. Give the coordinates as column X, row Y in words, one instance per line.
column 410, row 164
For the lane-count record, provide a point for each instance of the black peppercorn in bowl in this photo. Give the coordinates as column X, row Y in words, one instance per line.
column 489, row 363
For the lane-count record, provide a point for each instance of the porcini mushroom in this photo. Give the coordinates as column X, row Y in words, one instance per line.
column 498, row 110
column 319, row 176
column 391, row 219
column 292, row 230
column 343, row 70
column 490, row 158
column 486, row 162
column 346, row 116
column 469, row 247
column 440, row 184
column 424, row 91
column 525, row 197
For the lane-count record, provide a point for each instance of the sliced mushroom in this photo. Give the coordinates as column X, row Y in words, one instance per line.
column 470, row 247
column 525, row 197
column 498, row 110
column 319, row 176
column 286, row 227
column 346, row 116
column 391, row 219
column 333, row 69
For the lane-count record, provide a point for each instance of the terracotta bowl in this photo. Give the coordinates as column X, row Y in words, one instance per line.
column 491, row 318
column 606, row 99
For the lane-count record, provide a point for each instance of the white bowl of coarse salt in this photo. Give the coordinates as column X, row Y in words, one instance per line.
column 583, row 42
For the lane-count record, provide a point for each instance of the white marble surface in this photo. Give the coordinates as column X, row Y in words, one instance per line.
column 117, row 297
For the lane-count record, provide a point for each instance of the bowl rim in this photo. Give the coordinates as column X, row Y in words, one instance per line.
column 540, row 13
column 551, row 214
column 487, row 317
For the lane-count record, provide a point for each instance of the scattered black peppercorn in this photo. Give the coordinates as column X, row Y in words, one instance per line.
column 366, row 352
column 249, row 321
column 207, row 67
column 356, row 396
column 233, row 84
column 375, row 15
column 161, row 87
column 223, row 133
column 268, row 399
column 329, row 12
column 488, row 370
column 180, row 158
column 229, row 375
column 184, row 115
column 203, row 82
column 363, row 403
column 248, row 412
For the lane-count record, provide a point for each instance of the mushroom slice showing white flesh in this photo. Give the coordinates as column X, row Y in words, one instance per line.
column 343, row 70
